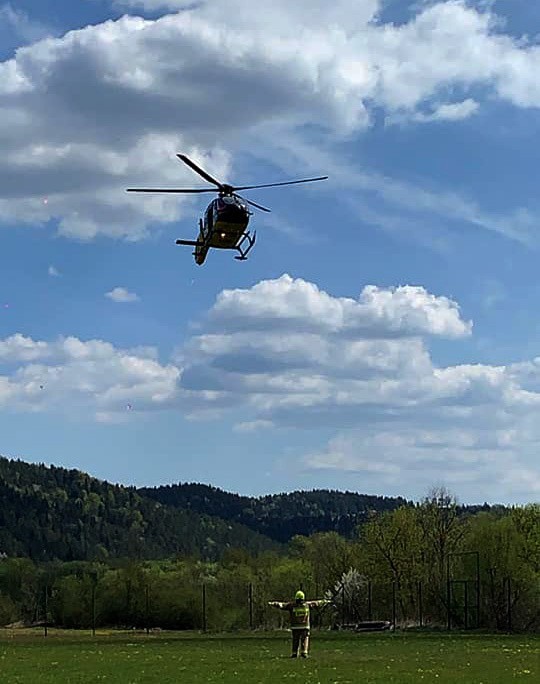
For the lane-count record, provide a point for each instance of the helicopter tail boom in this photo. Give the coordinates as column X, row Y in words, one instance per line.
column 193, row 243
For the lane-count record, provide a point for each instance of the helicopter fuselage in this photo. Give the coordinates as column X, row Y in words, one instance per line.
column 223, row 225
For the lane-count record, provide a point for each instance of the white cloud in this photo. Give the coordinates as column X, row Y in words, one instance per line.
column 21, row 348
column 340, row 13
column 286, row 354
column 399, row 65
column 303, row 62
column 297, row 354
column 121, row 295
column 402, row 311
column 454, row 111
column 71, row 374
column 290, row 355
column 53, row 271
column 482, row 465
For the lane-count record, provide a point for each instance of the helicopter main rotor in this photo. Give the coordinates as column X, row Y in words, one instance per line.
column 224, row 189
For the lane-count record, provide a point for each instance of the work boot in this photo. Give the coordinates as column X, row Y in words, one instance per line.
column 293, row 655
column 304, row 655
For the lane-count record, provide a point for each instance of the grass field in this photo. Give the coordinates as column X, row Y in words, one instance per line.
column 132, row 658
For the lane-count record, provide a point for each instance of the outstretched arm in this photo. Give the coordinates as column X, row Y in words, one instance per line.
column 318, row 603
column 278, row 604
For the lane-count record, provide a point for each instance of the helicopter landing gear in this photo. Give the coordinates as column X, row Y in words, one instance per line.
column 244, row 252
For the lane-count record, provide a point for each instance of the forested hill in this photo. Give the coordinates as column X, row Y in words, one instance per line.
column 278, row 516
column 53, row 513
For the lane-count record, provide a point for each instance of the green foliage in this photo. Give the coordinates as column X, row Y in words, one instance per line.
column 49, row 512
column 105, row 555
column 19, row 583
column 278, row 516
column 328, row 554
column 526, row 520
column 509, row 568
column 8, row 610
column 52, row 513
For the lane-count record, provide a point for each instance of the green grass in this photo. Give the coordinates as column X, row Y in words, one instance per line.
column 164, row 658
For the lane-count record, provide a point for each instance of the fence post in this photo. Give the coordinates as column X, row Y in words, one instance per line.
column 46, row 597
column 478, row 590
column 204, row 607
column 394, row 606
column 466, row 604
column 147, row 606
column 369, row 600
column 94, row 582
column 448, row 594
column 251, row 605
column 509, row 603
column 420, row 606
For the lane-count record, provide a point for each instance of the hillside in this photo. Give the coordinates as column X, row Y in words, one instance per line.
column 278, row 516
column 51, row 513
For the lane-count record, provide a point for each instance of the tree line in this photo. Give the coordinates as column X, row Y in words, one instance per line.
column 278, row 516
column 50, row 513
column 427, row 562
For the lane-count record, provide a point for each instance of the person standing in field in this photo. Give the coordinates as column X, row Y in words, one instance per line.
column 299, row 610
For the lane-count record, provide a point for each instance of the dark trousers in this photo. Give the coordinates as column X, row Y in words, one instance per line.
column 300, row 637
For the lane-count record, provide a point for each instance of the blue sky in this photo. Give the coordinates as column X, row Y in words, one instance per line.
column 383, row 336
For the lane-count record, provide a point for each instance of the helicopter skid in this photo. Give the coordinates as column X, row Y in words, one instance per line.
column 202, row 247
column 244, row 252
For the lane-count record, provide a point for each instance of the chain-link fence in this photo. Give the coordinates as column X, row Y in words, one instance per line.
column 148, row 602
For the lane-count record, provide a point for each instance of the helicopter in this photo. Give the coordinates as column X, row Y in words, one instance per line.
column 225, row 221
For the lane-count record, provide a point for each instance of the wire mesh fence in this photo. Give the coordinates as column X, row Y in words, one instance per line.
column 147, row 602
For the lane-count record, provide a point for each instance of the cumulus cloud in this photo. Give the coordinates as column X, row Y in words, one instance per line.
column 293, row 356
column 285, row 354
column 402, row 311
column 94, row 376
column 64, row 100
column 21, row 348
column 53, row 271
column 480, row 464
column 297, row 354
column 121, row 295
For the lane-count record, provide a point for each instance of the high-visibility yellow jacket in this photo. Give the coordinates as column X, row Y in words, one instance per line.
column 299, row 611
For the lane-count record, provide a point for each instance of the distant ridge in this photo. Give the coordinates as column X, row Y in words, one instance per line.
column 51, row 513
column 278, row 516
